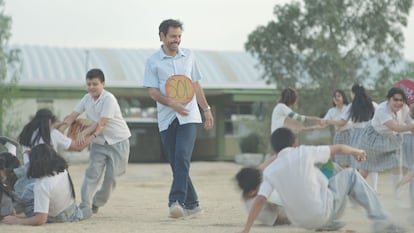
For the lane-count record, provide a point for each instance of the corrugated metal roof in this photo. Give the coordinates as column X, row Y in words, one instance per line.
column 60, row 66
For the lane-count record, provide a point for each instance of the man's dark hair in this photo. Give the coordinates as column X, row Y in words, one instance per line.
column 166, row 24
column 95, row 73
column 282, row 138
column 248, row 179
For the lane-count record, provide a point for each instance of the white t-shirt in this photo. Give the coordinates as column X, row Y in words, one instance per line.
column 279, row 114
column 57, row 139
column 383, row 114
column 267, row 215
column 335, row 114
column 302, row 187
column 106, row 106
column 52, row 194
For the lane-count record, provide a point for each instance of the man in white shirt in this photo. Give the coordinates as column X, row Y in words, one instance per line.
column 311, row 200
column 177, row 119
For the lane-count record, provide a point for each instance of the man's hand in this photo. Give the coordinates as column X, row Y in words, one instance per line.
column 178, row 107
column 209, row 120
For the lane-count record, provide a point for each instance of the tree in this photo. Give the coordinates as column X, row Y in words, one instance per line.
column 406, row 73
column 325, row 45
column 9, row 67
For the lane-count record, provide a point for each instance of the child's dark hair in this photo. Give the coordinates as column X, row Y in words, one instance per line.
column 362, row 108
column 95, row 73
column 8, row 162
column 282, row 138
column 45, row 161
column 396, row 90
column 41, row 123
column 342, row 93
column 288, row 96
column 248, row 179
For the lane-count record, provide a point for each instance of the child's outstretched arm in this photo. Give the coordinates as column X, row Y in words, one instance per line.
column 405, row 179
column 266, row 163
column 313, row 127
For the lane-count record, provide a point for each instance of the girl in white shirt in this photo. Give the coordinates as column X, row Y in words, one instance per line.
column 342, row 133
column 382, row 139
column 357, row 115
column 284, row 116
column 42, row 129
column 54, row 195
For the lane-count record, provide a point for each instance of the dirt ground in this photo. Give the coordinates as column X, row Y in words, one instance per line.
column 139, row 204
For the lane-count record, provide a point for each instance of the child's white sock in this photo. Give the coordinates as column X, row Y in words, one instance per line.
column 395, row 180
column 373, row 180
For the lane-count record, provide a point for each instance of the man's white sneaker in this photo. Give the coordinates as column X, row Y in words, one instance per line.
column 193, row 213
column 176, row 210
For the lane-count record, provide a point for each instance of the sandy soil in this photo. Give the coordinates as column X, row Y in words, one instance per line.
column 139, row 204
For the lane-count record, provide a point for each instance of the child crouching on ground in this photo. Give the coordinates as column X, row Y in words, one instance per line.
column 54, row 195
column 249, row 180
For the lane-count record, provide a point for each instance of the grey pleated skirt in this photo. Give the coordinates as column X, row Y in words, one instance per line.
column 383, row 151
column 408, row 150
column 355, row 135
column 343, row 137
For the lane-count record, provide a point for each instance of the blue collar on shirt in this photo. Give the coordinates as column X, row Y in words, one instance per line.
column 162, row 55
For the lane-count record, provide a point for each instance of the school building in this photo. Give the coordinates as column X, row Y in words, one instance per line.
column 54, row 77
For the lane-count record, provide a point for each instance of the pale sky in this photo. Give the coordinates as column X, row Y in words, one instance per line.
column 208, row 24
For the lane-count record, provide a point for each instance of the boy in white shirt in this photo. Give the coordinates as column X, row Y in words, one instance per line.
column 301, row 184
column 109, row 151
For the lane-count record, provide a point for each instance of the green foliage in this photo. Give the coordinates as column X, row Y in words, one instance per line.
column 260, row 126
column 9, row 67
column 250, row 143
column 380, row 92
column 324, row 45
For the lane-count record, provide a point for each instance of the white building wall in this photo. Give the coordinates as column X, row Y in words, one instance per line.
column 23, row 109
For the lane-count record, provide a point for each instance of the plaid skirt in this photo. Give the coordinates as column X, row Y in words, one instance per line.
column 355, row 135
column 383, row 151
column 408, row 150
column 343, row 137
